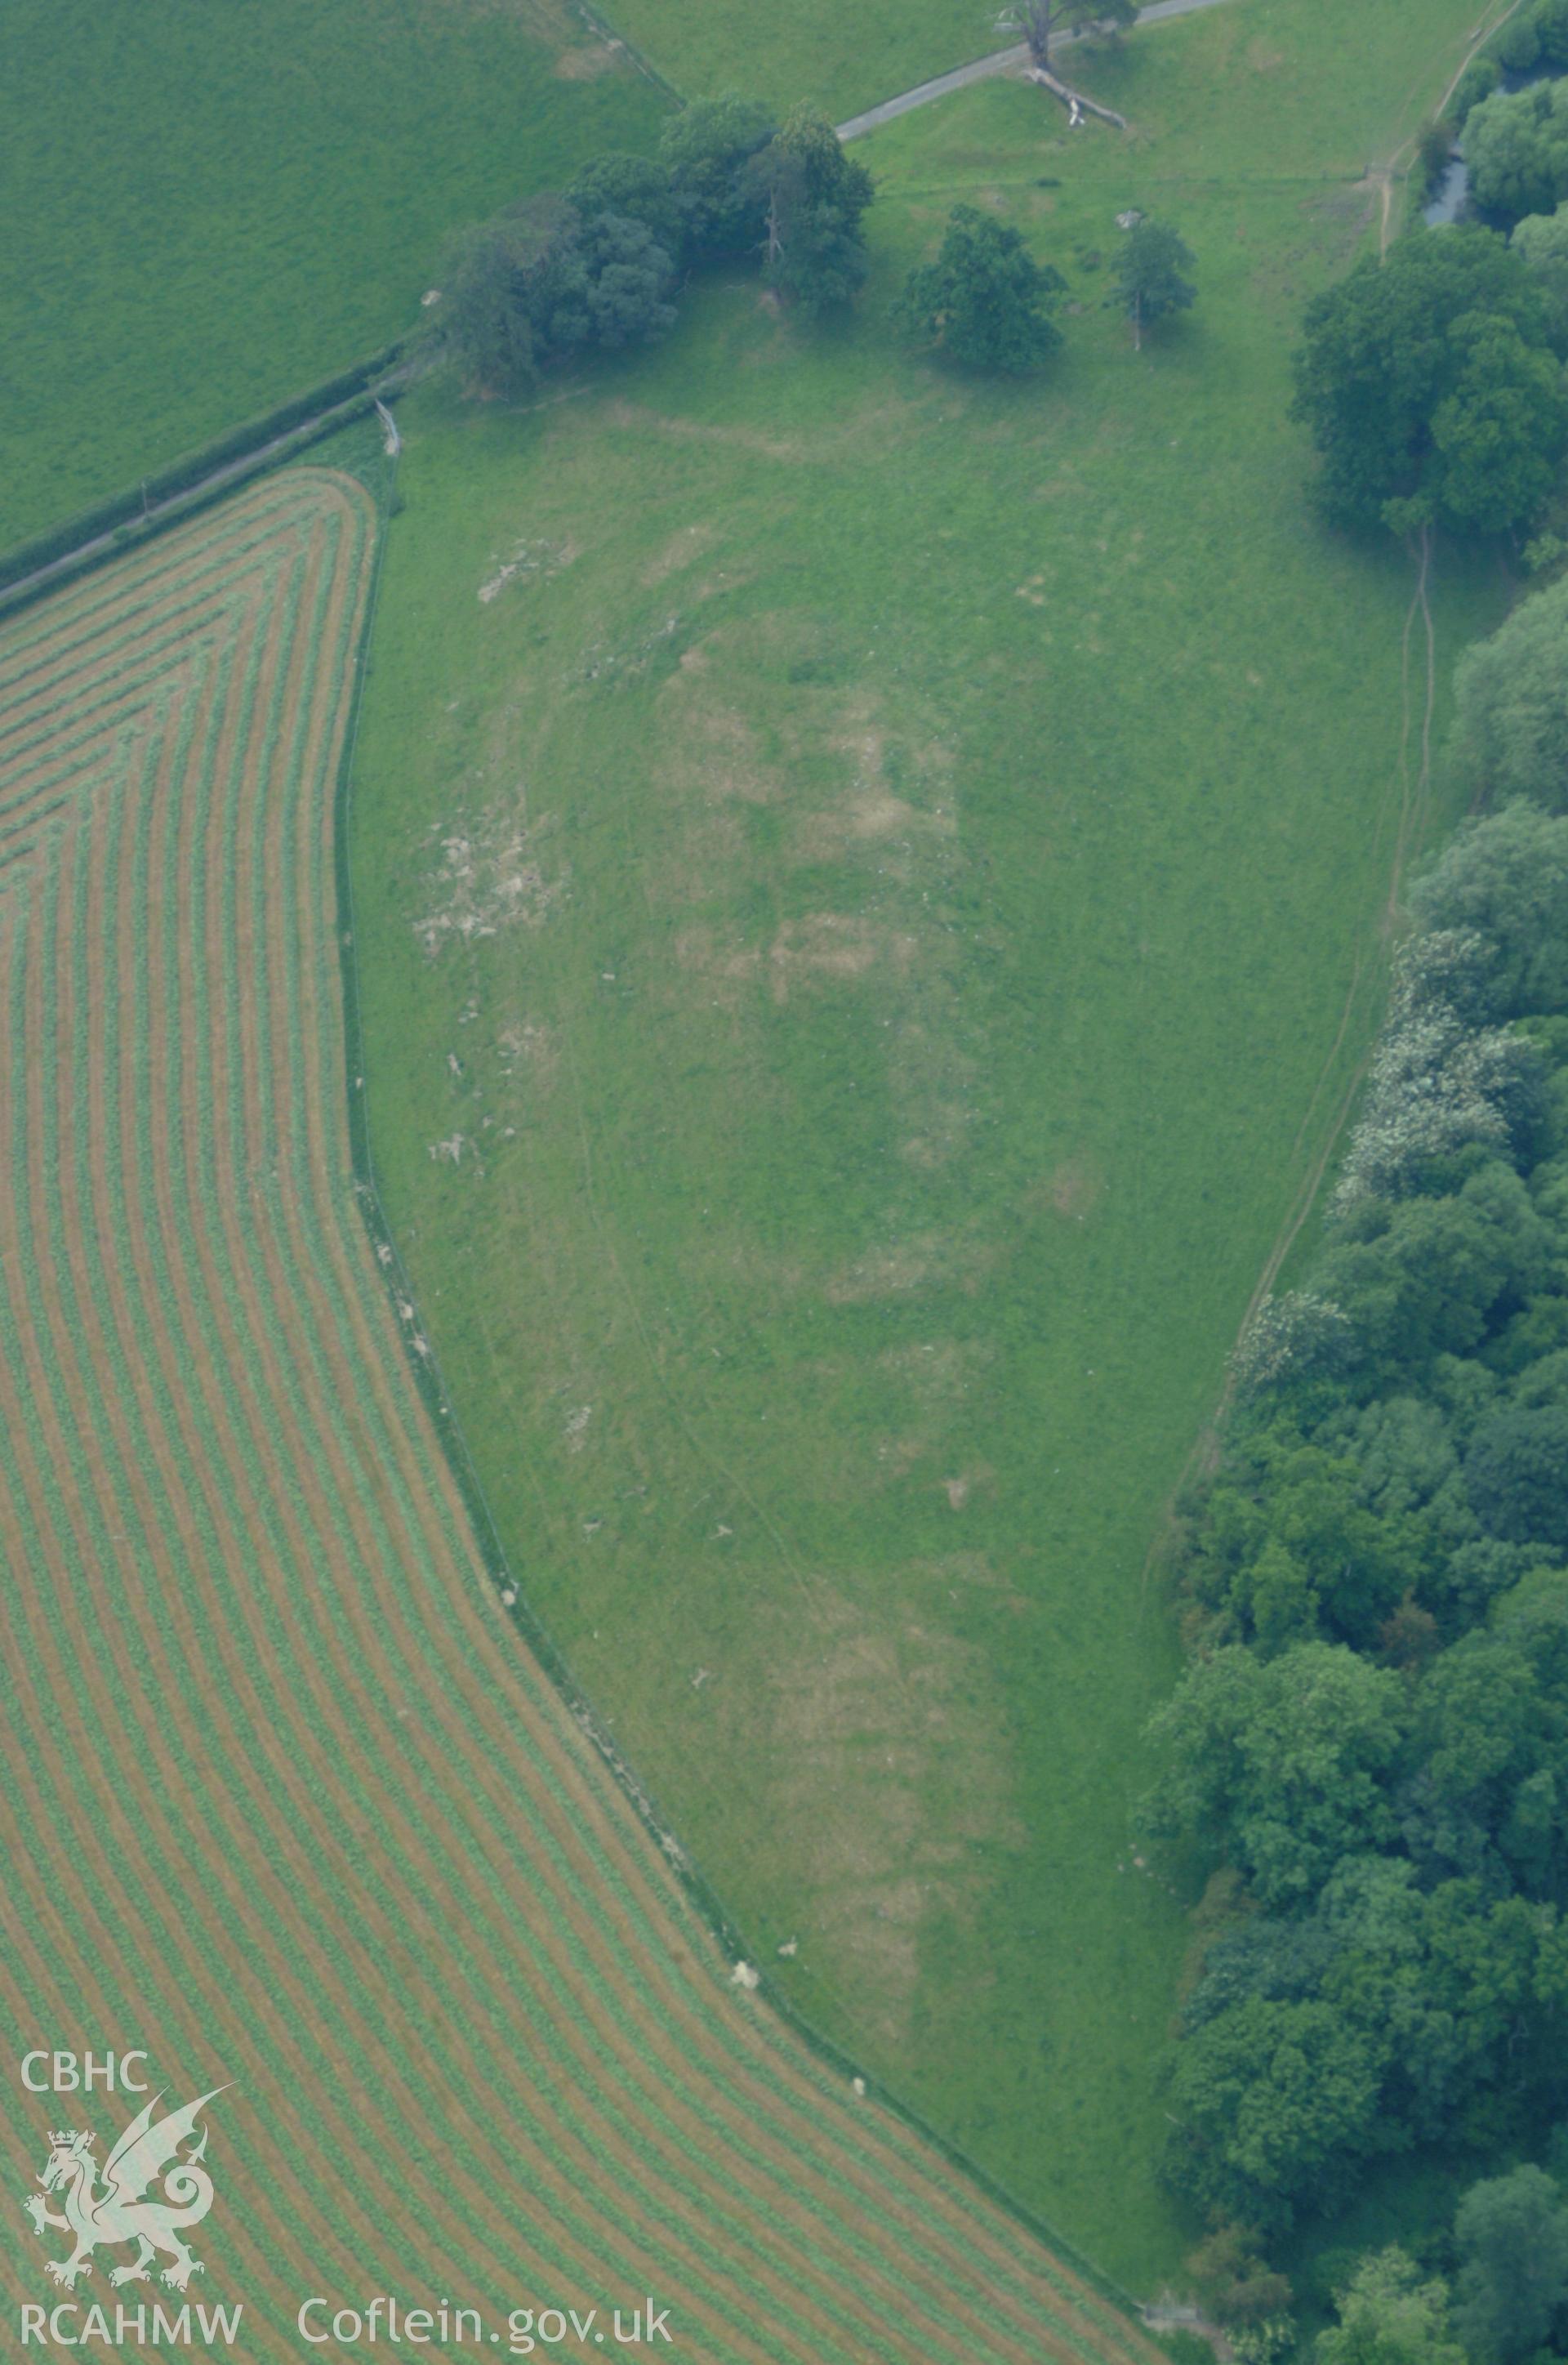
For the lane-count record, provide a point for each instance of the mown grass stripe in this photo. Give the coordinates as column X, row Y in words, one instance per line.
column 200, row 1030
column 153, row 1783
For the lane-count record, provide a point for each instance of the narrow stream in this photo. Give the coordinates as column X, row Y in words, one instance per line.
column 1449, row 199
column 1451, row 193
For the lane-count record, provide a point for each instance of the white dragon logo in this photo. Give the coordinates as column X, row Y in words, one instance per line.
column 118, row 2213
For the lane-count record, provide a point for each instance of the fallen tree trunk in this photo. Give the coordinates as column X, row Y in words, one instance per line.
column 1070, row 97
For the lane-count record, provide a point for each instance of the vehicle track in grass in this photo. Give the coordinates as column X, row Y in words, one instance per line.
column 1412, row 814
column 1415, row 802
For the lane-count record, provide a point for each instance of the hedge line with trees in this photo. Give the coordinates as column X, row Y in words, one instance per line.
column 600, row 266
column 1370, row 1743
column 126, row 510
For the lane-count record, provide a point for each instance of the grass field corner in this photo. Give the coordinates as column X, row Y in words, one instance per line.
column 225, row 205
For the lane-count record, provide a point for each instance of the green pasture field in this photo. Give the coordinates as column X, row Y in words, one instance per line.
column 842, row 59
column 870, row 896
column 845, row 58
column 212, row 207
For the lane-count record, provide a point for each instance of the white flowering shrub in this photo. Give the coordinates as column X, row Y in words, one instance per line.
column 1439, row 1081
column 1261, row 2343
column 1299, row 1336
column 1454, row 966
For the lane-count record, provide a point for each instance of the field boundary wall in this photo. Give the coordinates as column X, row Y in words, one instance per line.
column 178, row 488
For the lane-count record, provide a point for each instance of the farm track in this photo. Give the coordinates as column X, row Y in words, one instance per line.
column 287, row 1799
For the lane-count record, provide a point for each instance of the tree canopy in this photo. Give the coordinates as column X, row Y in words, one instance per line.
column 1499, row 431
column 540, row 284
column 1043, row 21
column 1430, row 387
column 482, row 327
column 1541, row 242
column 813, row 196
column 634, row 188
column 1505, row 881
column 1389, row 2315
column 1277, row 1762
column 1511, row 701
column 985, row 300
column 1150, row 275
column 707, row 150
column 1371, row 1740
column 597, row 268
column 1479, row 80
column 1516, row 144
column 1276, row 2098
column 1515, row 1474
column 1512, row 2237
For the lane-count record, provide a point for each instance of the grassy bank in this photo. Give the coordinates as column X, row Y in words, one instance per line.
column 870, row 893
column 223, row 204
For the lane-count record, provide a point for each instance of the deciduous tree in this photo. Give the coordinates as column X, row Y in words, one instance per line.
column 813, row 196
column 707, row 150
column 634, row 188
column 985, row 300
column 1512, row 2237
column 1149, row 281
column 1542, row 241
column 1505, row 880
column 1515, row 143
column 1428, row 385
column 1277, row 2100
column 513, row 296
column 1499, row 431
column 1511, row 696
column 1515, row 1474
column 540, row 284
column 1040, row 22
column 1281, row 1764
column 1390, row 2315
